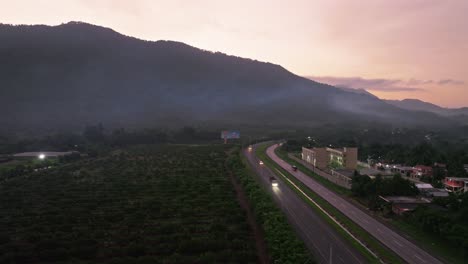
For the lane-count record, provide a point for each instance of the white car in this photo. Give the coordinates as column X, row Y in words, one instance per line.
column 250, row 148
column 274, row 182
column 261, row 163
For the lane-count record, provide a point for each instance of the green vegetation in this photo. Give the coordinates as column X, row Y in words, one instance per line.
column 367, row 189
column 430, row 242
column 16, row 168
column 447, row 222
column 382, row 252
column 283, row 244
column 147, row 204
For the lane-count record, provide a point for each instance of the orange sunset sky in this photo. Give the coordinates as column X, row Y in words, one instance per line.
column 396, row 49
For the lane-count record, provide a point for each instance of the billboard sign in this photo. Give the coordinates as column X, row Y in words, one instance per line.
column 230, row 134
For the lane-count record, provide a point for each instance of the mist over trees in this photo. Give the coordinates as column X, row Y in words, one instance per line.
column 68, row 76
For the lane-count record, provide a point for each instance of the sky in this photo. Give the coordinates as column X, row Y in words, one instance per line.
column 395, row 49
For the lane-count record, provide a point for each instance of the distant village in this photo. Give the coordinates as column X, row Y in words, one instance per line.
column 341, row 165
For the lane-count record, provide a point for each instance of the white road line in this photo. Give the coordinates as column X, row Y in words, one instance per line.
column 330, row 217
column 417, row 256
column 396, row 242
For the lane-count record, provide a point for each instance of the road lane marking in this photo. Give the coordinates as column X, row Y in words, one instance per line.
column 331, row 217
column 417, row 256
column 396, row 242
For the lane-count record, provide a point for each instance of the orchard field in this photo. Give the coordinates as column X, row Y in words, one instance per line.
column 151, row 204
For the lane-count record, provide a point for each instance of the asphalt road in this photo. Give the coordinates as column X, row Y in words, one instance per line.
column 401, row 246
column 323, row 240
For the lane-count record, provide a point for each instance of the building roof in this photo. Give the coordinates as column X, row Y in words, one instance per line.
column 406, row 206
column 424, row 186
column 438, row 193
column 422, row 167
column 46, row 153
column 373, row 172
column 403, row 199
column 404, row 167
column 346, row 172
column 456, row 179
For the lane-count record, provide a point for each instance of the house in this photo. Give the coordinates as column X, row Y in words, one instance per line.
column 52, row 154
column 325, row 157
column 372, row 173
column 421, row 171
column 403, row 170
column 428, row 191
column 456, row 185
column 4, row 159
column 343, row 175
column 403, row 204
column 440, row 165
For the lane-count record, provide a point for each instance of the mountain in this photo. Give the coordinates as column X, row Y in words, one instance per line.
column 459, row 115
column 418, row 105
column 74, row 74
column 358, row 91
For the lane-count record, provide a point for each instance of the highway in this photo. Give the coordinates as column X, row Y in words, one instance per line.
column 321, row 239
column 398, row 244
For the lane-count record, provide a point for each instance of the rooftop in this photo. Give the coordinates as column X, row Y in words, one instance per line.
column 373, row 172
column 345, row 172
column 456, row 179
column 402, row 199
column 424, row 186
column 46, row 153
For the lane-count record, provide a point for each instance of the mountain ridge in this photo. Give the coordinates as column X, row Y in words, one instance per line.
column 419, row 105
column 78, row 73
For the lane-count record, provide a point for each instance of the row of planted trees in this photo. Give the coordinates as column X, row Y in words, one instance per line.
column 142, row 204
column 283, row 244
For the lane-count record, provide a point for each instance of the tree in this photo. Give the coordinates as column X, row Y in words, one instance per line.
column 94, row 133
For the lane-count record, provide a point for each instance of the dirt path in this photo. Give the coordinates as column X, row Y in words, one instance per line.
column 260, row 243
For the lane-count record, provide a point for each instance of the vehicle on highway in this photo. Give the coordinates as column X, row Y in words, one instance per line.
column 260, row 162
column 294, row 168
column 249, row 148
column 274, row 182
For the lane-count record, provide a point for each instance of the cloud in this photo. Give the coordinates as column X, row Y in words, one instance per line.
column 450, row 82
column 383, row 85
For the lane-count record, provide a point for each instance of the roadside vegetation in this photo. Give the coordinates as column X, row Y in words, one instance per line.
column 283, row 244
